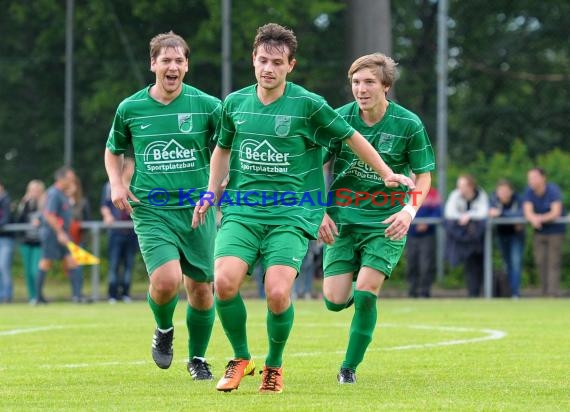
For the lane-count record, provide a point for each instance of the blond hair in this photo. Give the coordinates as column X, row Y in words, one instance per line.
column 383, row 66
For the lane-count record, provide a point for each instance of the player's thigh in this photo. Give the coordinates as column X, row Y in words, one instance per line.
column 229, row 274
column 379, row 252
column 370, row 280
column 341, row 257
column 157, row 238
column 239, row 240
column 338, row 288
column 197, row 248
column 341, row 261
column 167, row 277
column 284, row 246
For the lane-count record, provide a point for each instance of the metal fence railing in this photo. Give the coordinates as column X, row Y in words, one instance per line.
column 97, row 227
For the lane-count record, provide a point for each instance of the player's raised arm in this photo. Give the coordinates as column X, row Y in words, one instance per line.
column 366, row 152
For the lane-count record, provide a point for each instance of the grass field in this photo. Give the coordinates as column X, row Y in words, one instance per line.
column 435, row 354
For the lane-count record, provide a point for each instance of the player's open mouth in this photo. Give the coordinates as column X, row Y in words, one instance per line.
column 171, row 78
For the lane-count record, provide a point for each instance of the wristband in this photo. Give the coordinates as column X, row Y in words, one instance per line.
column 411, row 211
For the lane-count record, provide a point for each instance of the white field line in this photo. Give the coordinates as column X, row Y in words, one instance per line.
column 29, row 330
column 488, row 335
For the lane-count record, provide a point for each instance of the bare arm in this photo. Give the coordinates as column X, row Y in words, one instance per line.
column 533, row 218
column 399, row 223
column 554, row 213
column 52, row 221
column 366, row 152
column 120, row 194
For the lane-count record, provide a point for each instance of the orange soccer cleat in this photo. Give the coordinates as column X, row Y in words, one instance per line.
column 271, row 380
column 235, row 370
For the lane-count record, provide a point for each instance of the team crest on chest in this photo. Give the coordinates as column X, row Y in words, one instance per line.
column 282, row 125
column 185, row 122
column 385, row 142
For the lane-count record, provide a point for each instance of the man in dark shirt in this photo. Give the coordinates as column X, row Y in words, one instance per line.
column 54, row 232
column 542, row 206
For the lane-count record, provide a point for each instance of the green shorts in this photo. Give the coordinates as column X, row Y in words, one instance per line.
column 353, row 250
column 278, row 245
column 167, row 234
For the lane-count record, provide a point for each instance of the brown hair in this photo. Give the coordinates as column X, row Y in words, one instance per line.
column 382, row 65
column 505, row 182
column 166, row 40
column 274, row 36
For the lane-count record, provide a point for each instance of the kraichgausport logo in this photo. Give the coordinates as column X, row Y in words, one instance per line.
column 262, row 157
column 163, row 156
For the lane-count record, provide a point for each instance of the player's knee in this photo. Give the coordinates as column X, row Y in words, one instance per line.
column 278, row 300
column 333, row 306
column 225, row 286
column 164, row 285
column 200, row 296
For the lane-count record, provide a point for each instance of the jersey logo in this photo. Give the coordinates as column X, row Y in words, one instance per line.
column 361, row 170
column 282, row 125
column 164, row 156
column 185, row 122
column 262, row 157
column 385, row 142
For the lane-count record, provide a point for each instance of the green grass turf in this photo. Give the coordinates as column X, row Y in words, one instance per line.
column 426, row 355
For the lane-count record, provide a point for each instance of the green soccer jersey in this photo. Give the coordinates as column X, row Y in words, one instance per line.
column 361, row 201
column 276, row 174
column 172, row 145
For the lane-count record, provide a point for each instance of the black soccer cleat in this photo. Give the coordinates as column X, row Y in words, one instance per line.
column 346, row 375
column 199, row 370
column 162, row 348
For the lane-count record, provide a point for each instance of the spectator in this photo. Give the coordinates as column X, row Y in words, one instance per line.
column 123, row 243
column 258, row 275
column 542, row 205
column 54, row 231
column 465, row 212
column 80, row 211
column 29, row 211
column 420, row 248
column 506, row 203
column 6, row 248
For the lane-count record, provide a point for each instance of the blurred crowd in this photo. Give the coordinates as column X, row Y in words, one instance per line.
column 53, row 216
column 464, row 213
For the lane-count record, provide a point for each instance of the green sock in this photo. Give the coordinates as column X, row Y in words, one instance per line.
column 163, row 314
column 199, row 323
column 233, row 317
column 278, row 329
column 361, row 328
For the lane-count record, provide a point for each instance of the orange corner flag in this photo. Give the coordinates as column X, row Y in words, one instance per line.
column 81, row 256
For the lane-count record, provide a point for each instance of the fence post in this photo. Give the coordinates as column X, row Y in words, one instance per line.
column 488, row 260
